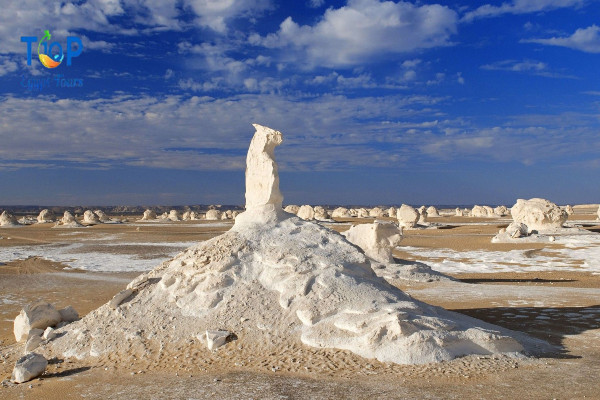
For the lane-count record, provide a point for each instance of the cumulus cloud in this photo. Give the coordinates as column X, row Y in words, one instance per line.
column 363, row 31
column 215, row 13
column 526, row 66
column 584, row 39
column 520, row 7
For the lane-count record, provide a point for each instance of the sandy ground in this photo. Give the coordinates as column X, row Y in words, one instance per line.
column 560, row 307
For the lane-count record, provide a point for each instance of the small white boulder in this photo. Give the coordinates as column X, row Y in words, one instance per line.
column 216, row 339
column 28, row 367
column 38, row 315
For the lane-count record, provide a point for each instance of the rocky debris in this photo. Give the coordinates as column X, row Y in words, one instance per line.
column 90, row 218
column 341, row 212
column 479, row 212
column 7, row 219
column 306, row 212
column 174, row 216
column 68, row 314
column 213, row 215
column 432, row 212
column 216, row 339
column 39, row 315
column 148, row 215
column 102, row 217
column 292, row 209
column 28, row 367
column 407, row 216
column 538, row 214
column 377, row 240
column 45, row 216
column 120, row 298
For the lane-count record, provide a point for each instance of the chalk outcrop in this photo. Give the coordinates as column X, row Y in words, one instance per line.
column 68, row 221
column 458, row 212
column 407, row 216
column 149, row 215
column 45, row 216
column 479, row 212
column 321, row 213
column 539, row 214
column 292, row 209
column 501, row 211
column 38, row 315
column 341, row 212
column 376, row 212
column 174, row 216
column 213, row 215
column 377, row 240
column 7, row 219
column 102, row 217
column 90, row 218
column 432, row 212
column 306, row 212
column 279, row 279
column 569, row 210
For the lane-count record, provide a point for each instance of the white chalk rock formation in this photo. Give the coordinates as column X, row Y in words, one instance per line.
column 38, row 315
column 164, row 216
column 538, row 214
column 321, row 213
column 501, row 211
column 598, row 212
column 377, row 240
column 423, row 218
column 391, row 212
column 432, row 212
column 362, row 213
column 489, row 210
column 517, row 230
column 69, row 221
column 148, row 215
column 7, row 219
column 45, row 216
column 341, row 212
column 292, row 209
column 224, row 216
column 213, row 215
column 194, row 216
column 306, row 212
column 376, row 212
column 459, row 213
column 289, row 279
column 186, row 216
column 28, row 367
column 90, row 218
column 407, row 216
column 569, row 209
column 216, row 339
column 479, row 212
column 174, row 216
column 102, row 217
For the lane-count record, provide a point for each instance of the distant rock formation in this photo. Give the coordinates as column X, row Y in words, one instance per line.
column 377, row 240
column 45, row 216
column 538, row 214
column 407, row 216
column 7, row 219
column 90, row 218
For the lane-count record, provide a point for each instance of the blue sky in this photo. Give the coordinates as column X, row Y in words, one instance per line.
column 379, row 102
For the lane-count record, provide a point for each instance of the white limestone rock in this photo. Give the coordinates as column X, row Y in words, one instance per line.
column 102, row 217
column 39, row 315
column 391, row 212
column 28, row 367
column 407, row 216
column 538, row 214
column 376, row 212
column 423, row 218
column 501, row 211
column 306, row 212
column 292, row 209
column 479, row 212
column 174, row 216
column 569, row 210
column 517, row 230
column 69, row 221
column 186, row 216
column 320, row 213
column 213, row 215
column 90, row 218
column 194, row 216
column 432, row 212
column 33, row 342
column 148, row 215
column 362, row 213
column 377, row 240
column 458, row 212
column 120, row 298
column 7, row 219
column 216, row 338
column 341, row 212
column 45, row 216
column 49, row 333
column 224, row 216
column 598, row 212
column 489, row 210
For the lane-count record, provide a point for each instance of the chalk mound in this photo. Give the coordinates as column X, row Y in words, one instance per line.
column 479, row 212
column 275, row 279
column 149, row 215
column 7, row 219
column 213, row 215
column 407, row 216
column 45, row 216
column 539, row 214
column 90, row 218
column 68, row 221
column 102, row 217
column 341, row 212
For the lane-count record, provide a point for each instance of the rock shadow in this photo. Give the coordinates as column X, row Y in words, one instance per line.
column 551, row 324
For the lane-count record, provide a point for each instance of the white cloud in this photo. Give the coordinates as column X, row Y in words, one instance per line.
column 215, row 13
column 363, row 31
column 7, row 66
column 520, row 7
column 526, row 66
column 584, row 39
column 316, row 3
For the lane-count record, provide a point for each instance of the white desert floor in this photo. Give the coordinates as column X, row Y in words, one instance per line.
column 549, row 291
